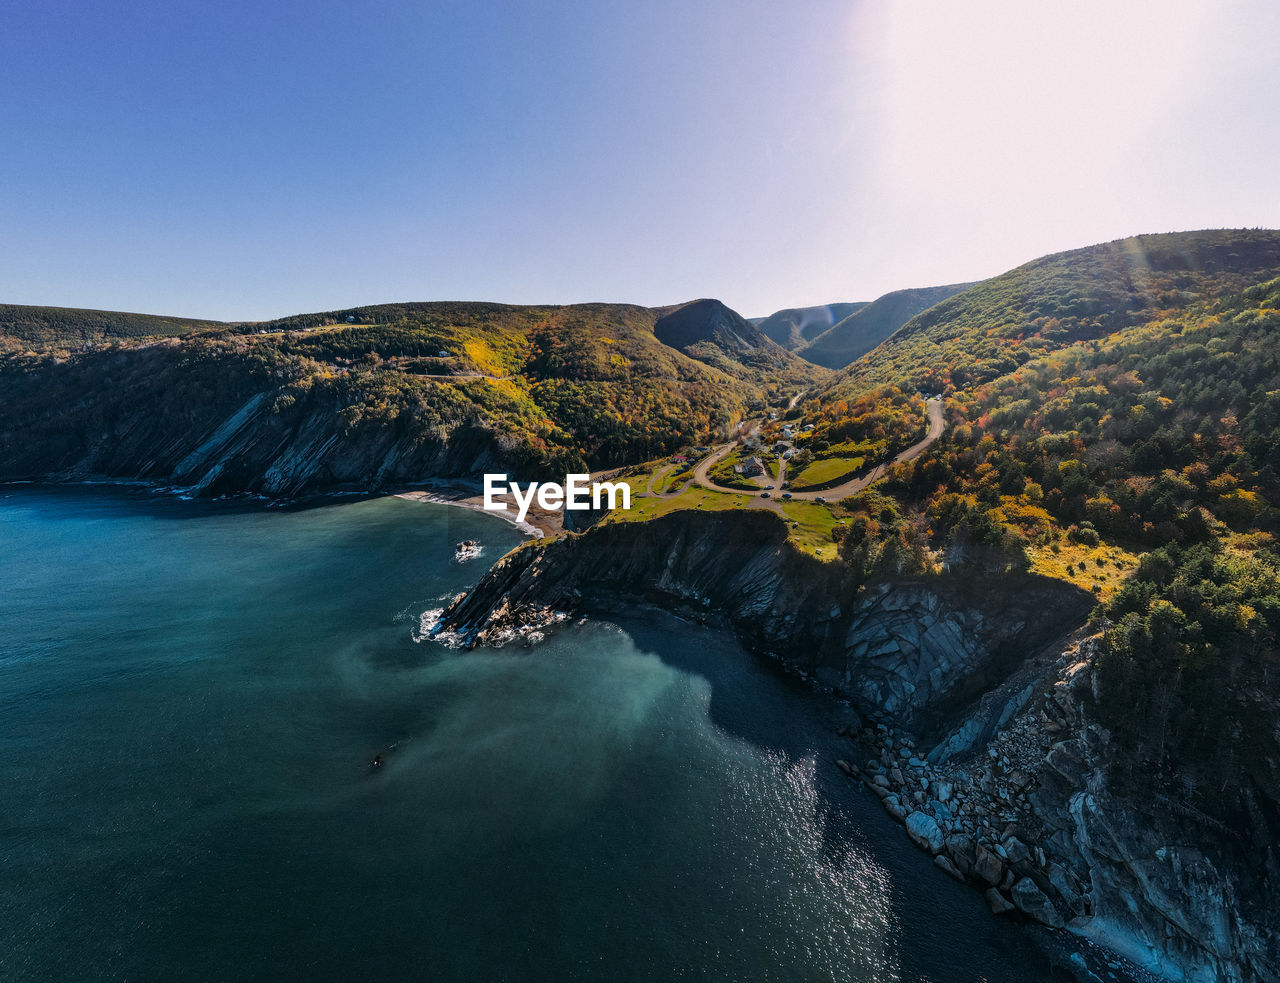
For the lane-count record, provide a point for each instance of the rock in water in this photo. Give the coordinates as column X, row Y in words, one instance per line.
column 942, row 863
column 924, row 830
column 997, row 901
column 1033, row 903
column 987, row 866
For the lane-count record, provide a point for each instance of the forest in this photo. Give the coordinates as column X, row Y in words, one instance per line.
column 556, row 388
column 1161, row 440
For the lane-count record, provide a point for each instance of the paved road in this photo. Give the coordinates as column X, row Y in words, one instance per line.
column 937, row 423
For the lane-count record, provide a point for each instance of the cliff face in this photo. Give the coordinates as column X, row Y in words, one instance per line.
column 978, row 736
column 1168, row 887
column 242, row 437
column 254, row 450
column 913, row 649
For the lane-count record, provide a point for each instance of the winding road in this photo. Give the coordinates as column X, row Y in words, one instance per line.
column 937, row 423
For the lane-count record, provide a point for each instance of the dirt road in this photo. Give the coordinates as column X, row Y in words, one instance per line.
column 937, row 423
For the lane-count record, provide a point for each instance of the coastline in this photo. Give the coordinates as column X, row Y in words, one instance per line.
column 820, row 694
column 972, row 812
column 443, row 493
column 837, row 733
column 549, row 523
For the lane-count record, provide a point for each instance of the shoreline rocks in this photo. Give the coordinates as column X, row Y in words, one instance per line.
column 988, row 744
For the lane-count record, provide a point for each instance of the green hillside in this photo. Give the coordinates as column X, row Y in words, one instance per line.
column 861, row 330
column 24, row 327
column 795, row 327
column 1058, row 300
column 1144, row 466
column 710, row 332
column 386, row 394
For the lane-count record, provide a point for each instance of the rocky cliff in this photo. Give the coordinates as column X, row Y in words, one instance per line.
column 221, row 429
column 969, row 718
column 913, row 649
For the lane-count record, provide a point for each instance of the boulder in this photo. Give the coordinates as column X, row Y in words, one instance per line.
column 942, row 863
column 1067, row 758
column 925, row 831
column 1066, row 884
column 1034, row 903
column 999, row 904
column 1015, row 850
column 960, row 849
column 987, row 867
column 844, row 766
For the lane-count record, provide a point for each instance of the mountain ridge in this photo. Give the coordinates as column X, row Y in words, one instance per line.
column 1059, row 299
column 795, row 327
column 862, row 330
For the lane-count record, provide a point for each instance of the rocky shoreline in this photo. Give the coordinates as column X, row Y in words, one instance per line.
column 978, row 819
column 963, row 712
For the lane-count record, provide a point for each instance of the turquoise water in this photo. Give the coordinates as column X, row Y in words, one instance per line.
column 192, row 695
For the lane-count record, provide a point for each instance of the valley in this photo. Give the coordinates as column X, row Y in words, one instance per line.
column 1052, row 581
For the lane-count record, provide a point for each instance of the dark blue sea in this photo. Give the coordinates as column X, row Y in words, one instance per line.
column 191, row 696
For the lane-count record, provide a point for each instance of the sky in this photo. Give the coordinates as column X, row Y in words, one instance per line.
column 245, row 160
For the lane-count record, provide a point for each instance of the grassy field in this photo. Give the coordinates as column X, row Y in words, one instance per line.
column 695, row 497
column 1101, row 569
column 823, row 472
column 812, row 532
column 670, row 481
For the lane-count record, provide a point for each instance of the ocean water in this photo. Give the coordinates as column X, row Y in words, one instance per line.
column 191, row 695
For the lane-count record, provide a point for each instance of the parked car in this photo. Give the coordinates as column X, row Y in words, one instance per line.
column 764, row 495
column 820, row 500
column 770, row 487
column 786, row 494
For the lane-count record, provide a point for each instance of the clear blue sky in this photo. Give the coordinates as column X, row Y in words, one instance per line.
column 246, row 160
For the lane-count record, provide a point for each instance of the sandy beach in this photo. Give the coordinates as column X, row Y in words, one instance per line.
column 538, row 522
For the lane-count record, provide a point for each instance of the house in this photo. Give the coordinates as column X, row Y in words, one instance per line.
column 678, row 459
column 749, row 468
column 351, row 319
column 807, row 428
column 781, row 447
column 786, row 431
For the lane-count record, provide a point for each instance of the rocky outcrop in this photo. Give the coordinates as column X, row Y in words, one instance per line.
column 966, row 715
column 1030, row 817
column 241, row 440
column 912, row 648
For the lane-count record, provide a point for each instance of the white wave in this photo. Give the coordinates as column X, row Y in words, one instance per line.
column 449, row 639
column 428, row 625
